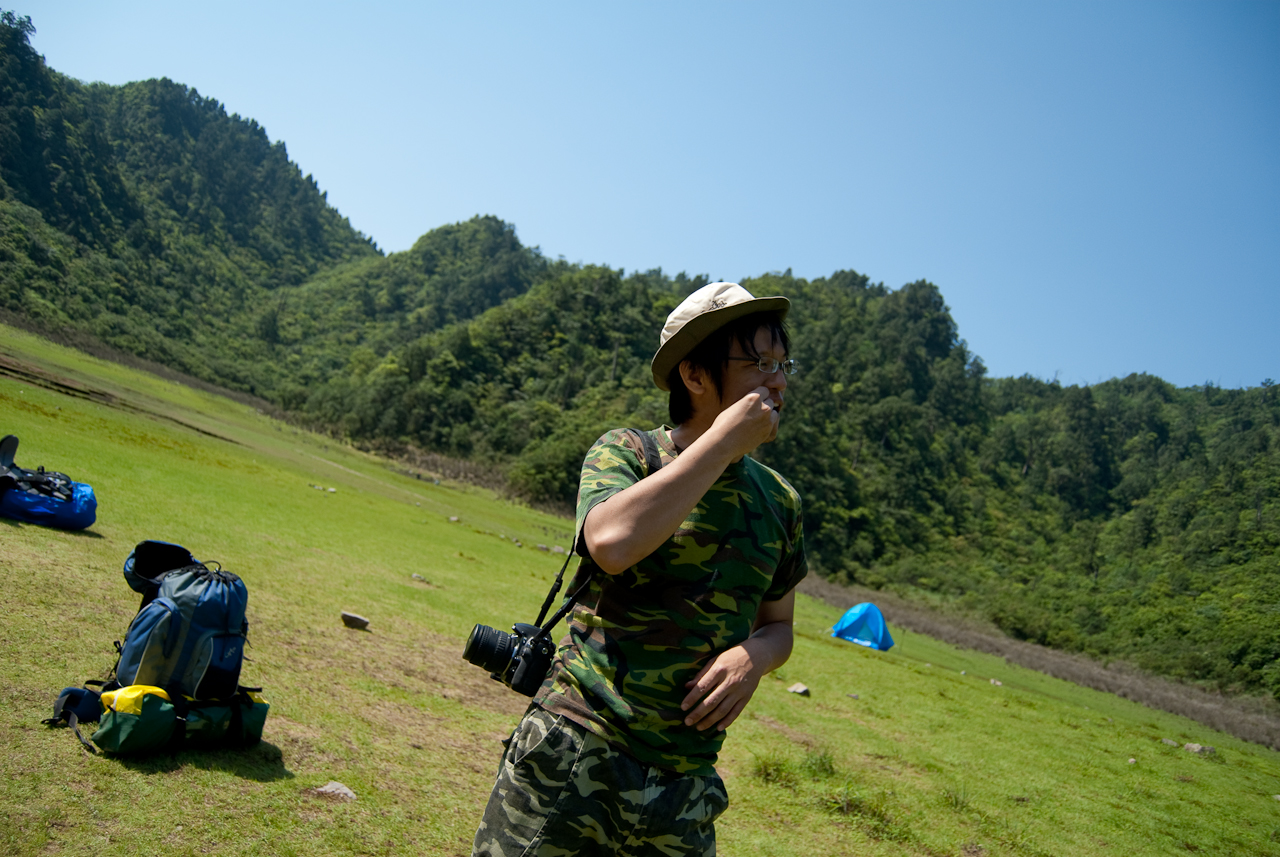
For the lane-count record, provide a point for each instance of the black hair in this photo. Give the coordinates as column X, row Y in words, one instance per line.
column 712, row 356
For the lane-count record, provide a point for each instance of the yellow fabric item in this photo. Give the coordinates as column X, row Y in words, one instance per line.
column 128, row 700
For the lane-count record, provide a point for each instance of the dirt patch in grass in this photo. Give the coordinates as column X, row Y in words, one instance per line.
column 431, row 664
column 793, row 735
column 297, row 743
column 407, row 688
column 28, row 374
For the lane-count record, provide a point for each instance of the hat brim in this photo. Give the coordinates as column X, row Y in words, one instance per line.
column 700, row 327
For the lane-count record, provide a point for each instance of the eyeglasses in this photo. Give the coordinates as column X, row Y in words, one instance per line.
column 768, row 365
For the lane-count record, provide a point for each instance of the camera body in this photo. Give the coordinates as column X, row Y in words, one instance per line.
column 520, row 660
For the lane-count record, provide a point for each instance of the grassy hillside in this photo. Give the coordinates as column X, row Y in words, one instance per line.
column 911, row 752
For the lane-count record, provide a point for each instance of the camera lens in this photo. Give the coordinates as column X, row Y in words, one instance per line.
column 489, row 648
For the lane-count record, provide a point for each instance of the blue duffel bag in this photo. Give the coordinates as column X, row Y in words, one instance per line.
column 42, row 496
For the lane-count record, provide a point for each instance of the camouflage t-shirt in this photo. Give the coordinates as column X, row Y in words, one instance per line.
column 635, row 638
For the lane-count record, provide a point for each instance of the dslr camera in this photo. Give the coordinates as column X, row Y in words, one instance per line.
column 520, row 660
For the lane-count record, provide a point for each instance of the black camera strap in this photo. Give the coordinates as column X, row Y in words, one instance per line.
column 555, row 590
column 652, row 464
column 565, row 608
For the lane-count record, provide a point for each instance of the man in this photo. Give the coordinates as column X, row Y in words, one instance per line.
column 693, row 551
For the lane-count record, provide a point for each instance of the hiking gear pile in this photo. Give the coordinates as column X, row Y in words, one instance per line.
column 41, row 496
column 177, row 679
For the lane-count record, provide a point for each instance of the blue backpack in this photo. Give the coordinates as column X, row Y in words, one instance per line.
column 41, row 496
column 178, row 674
column 190, row 631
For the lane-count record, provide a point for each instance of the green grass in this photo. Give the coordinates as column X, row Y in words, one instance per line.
column 926, row 760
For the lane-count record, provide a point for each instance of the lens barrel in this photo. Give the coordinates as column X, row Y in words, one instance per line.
column 489, row 648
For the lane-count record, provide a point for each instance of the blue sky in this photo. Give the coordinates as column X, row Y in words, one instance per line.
column 1095, row 187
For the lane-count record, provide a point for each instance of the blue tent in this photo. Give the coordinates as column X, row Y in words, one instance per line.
column 864, row 625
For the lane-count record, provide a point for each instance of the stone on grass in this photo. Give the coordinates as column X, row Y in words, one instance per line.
column 1168, row 742
column 997, row 682
column 557, row 549
column 1199, row 749
column 417, row 576
column 1132, row 761
column 798, row 688
column 543, row 547
column 333, row 490
column 335, row 791
column 852, row 695
column 353, row 620
column 453, row 519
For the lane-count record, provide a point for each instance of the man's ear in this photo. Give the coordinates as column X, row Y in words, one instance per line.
column 695, row 379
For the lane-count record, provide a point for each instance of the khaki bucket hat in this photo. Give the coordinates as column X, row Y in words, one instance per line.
column 701, row 314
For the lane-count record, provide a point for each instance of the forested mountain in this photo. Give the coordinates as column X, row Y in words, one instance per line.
column 1130, row 519
column 148, row 218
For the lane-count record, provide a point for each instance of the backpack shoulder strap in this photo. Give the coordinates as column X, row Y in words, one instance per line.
column 652, row 455
column 71, row 707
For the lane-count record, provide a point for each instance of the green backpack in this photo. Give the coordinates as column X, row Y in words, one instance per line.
column 138, row 718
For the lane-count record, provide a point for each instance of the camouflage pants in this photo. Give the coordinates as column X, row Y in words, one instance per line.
column 563, row 792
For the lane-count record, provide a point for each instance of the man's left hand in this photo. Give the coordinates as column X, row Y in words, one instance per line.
column 724, row 686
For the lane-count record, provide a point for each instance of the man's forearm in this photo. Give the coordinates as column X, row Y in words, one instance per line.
column 770, row 646
column 635, row 522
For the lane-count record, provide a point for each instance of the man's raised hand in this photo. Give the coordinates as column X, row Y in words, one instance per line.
column 748, row 422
